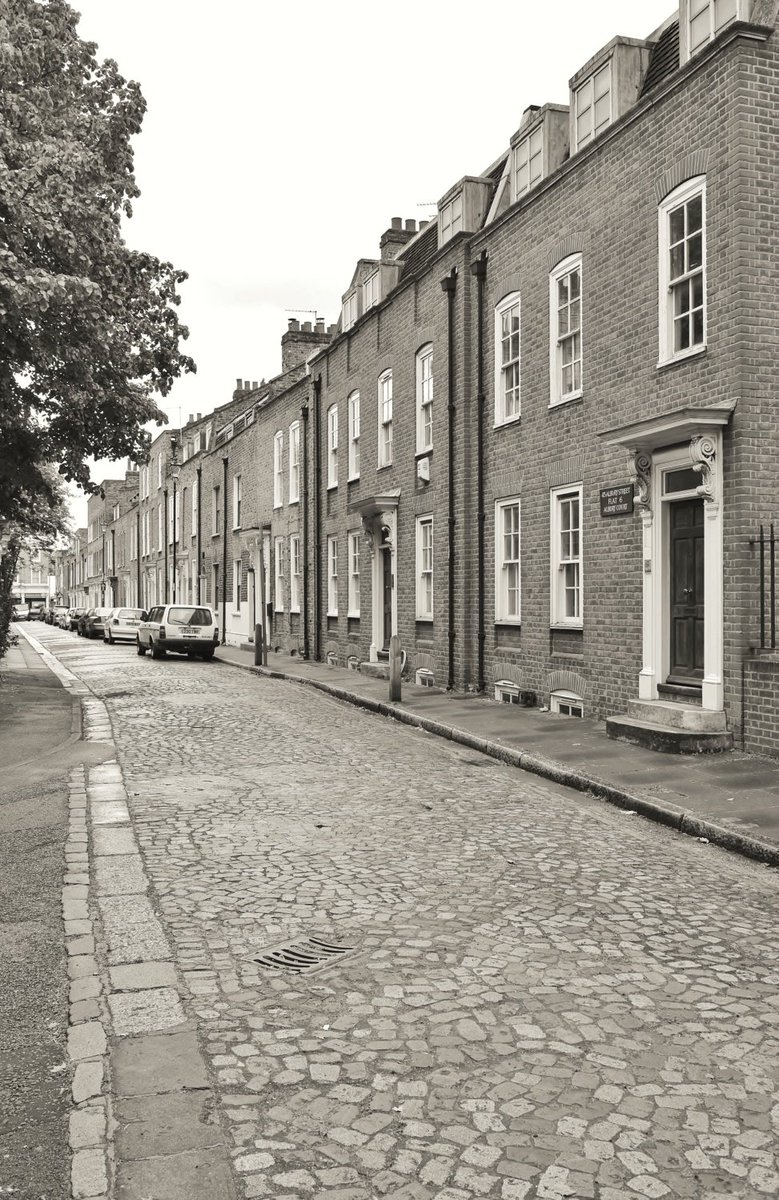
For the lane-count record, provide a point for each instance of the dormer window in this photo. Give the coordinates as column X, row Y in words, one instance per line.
column 528, row 162
column 592, row 102
column 370, row 291
column 705, row 19
column 452, row 218
column 349, row 311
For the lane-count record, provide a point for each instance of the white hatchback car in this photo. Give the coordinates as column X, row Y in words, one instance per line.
column 121, row 624
column 184, row 628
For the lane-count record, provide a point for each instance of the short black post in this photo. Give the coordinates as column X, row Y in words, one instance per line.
column 395, row 664
column 259, row 645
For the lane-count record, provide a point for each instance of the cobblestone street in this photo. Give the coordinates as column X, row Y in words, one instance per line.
column 542, row 996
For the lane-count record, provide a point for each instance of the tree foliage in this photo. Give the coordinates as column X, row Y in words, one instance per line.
column 43, row 522
column 89, row 331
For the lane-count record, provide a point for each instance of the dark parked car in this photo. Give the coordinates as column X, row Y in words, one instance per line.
column 91, row 624
column 75, row 616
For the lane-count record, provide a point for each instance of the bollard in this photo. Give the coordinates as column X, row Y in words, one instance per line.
column 259, row 646
column 395, row 664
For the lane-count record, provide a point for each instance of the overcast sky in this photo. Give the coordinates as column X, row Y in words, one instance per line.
column 280, row 139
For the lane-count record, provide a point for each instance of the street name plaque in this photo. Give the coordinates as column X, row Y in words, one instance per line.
column 616, row 501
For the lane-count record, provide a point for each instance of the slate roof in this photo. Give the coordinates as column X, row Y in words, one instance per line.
column 664, row 60
column 420, row 251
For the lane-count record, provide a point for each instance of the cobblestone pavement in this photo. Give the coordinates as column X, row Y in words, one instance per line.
column 543, row 997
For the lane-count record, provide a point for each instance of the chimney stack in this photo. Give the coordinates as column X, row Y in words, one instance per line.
column 300, row 341
column 395, row 237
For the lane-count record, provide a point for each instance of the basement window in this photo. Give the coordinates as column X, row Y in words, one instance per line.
column 568, row 704
column 425, row 677
column 506, row 692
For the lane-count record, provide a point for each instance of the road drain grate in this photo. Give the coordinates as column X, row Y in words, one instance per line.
column 311, row 954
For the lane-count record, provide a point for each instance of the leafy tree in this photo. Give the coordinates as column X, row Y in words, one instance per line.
column 44, row 520
column 89, row 331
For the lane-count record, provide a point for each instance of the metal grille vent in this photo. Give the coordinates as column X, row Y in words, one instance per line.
column 311, row 954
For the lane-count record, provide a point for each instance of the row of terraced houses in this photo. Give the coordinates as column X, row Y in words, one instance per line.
column 540, row 441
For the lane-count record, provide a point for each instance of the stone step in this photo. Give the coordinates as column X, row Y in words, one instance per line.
column 679, row 693
column 375, row 670
column 666, row 738
column 675, row 715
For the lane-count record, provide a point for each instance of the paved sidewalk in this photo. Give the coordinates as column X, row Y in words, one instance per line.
column 731, row 799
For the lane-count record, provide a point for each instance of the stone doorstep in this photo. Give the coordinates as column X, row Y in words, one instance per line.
column 667, row 739
column 675, row 715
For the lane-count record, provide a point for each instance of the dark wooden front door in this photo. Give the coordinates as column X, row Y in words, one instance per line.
column 387, row 597
column 687, row 600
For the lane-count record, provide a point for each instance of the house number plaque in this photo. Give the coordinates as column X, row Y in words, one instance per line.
column 616, row 501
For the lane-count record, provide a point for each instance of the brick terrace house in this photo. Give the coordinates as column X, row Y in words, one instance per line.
column 543, row 445
column 540, row 442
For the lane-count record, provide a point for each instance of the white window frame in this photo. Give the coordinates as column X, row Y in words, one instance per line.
column 332, row 576
column 585, row 101
column 371, row 292
column 384, row 391
column 451, row 218
column 560, row 560
column 425, row 567
column 504, row 564
column 711, row 21
column 278, row 574
column 332, row 446
column 562, row 702
column 294, row 462
column 502, row 417
column 506, row 692
column 160, row 526
column 278, row 468
column 424, row 377
column 159, row 471
column 237, row 571
column 237, row 500
column 557, row 340
column 353, row 416
column 527, row 163
column 195, row 490
column 680, row 197
column 215, row 510
column 349, row 311
column 353, row 599
column 294, row 573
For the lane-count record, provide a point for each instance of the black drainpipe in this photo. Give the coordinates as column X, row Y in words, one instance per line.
column 165, row 539
column 224, row 551
column 304, row 498
column 449, row 285
column 317, row 518
column 198, row 550
column 479, row 269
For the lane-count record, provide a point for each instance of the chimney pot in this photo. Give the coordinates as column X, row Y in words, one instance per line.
column 254, row 386
column 306, row 327
column 191, row 419
column 198, row 416
column 238, row 384
column 423, row 225
column 411, row 225
column 320, row 324
column 396, row 223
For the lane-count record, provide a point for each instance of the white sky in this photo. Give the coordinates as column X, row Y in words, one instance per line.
column 280, row 139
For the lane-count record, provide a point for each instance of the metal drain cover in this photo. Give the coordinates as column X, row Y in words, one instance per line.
column 303, row 957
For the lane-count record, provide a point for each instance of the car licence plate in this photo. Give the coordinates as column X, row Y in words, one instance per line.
column 191, row 633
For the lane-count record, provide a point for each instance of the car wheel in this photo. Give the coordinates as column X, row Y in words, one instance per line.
column 140, row 648
column 157, row 651
column 207, row 655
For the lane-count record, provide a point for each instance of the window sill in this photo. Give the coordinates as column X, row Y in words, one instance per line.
column 331, row 614
column 424, row 618
column 276, row 507
column 574, row 398
column 294, row 612
column 332, row 487
column 426, row 453
column 567, row 626
column 278, row 612
column 509, row 622
column 295, row 501
column 509, row 421
column 383, row 466
column 685, row 356
column 353, row 479
column 353, row 616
